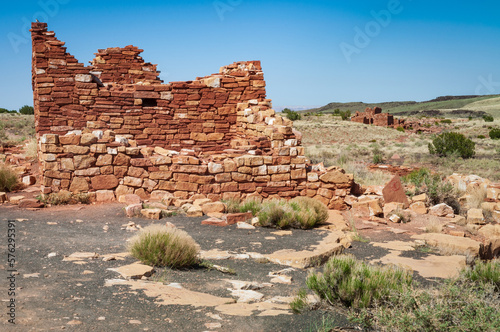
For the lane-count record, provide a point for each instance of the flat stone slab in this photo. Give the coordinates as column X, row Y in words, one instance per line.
column 431, row 266
column 449, row 244
column 333, row 244
column 134, row 271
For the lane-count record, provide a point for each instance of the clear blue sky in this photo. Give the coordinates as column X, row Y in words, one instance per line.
column 313, row 52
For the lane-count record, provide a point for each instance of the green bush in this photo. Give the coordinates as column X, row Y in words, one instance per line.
column 494, row 133
column 27, row 110
column 436, row 189
column 292, row 115
column 356, row 284
column 232, row 205
column 488, row 118
column 450, row 143
column 447, row 121
column 484, row 273
column 8, row 178
column 401, row 129
column 158, row 245
column 345, row 115
column 453, row 306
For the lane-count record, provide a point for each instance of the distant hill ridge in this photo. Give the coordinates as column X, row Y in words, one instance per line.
column 413, row 107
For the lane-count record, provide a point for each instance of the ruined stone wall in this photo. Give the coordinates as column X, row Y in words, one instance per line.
column 119, row 91
column 108, row 166
column 114, row 128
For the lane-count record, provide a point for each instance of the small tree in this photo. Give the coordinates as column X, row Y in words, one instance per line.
column 292, row 115
column 27, row 110
column 488, row 118
column 452, row 143
column 494, row 133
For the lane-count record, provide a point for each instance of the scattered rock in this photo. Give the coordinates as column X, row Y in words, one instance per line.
column 246, row 296
column 213, row 325
column 395, row 218
column 3, row 197
column 391, row 207
column 475, row 216
column 233, row 218
column 449, row 244
column 134, row 271
column 52, row 254
column 133, row 210
column 214, row 222
column 418, row 207
column 32, row 275
column 213, row 207
column 130, row 199
column 442, row 210
column 30, row 203
column 154, row 214
column 420, row 198
column 194, row 211
column 15, row 199
column 244, row 225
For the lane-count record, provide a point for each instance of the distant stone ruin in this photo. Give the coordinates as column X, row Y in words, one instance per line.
column 113, row 128
column 374, row 116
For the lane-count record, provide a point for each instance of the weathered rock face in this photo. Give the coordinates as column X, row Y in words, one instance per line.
column 394, row 192
column 114, row 128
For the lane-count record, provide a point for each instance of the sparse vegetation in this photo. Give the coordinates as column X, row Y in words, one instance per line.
column 356, row 284
column 158, row 245
column 299, row 302
column 292, row 115
column 494, row 133
column 436, row 189
column 250, row 205
column 387, row 299
column 64, row 197
column 300, row 212
column 450, row 143
column 488, row 118
column 8, row 178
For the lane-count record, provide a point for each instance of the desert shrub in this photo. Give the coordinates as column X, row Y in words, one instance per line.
column 299, row 302
column 450, row 143
column 437, row 190
column 158, row 245
column 356, row 284
column 448, row 121
column 484, row 273
column 453, row 306
column 292, row 115
column 301, row 212
column 30, row 149
column 232, row 205
column 494, row 133
column 378, row 156
column 488, row 118
column 64, row 197
column 345, row 115
column 8, row 178
column 401, row 129
column 27, row 110
column 481, row 136
column 251, row 205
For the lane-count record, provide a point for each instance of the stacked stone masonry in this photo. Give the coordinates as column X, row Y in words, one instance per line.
column 114, row 128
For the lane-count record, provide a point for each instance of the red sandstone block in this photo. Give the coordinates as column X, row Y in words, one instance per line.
column 233, row 218
column 215, row 222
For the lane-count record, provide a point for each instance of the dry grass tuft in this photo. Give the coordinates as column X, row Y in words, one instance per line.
column 158, row 245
